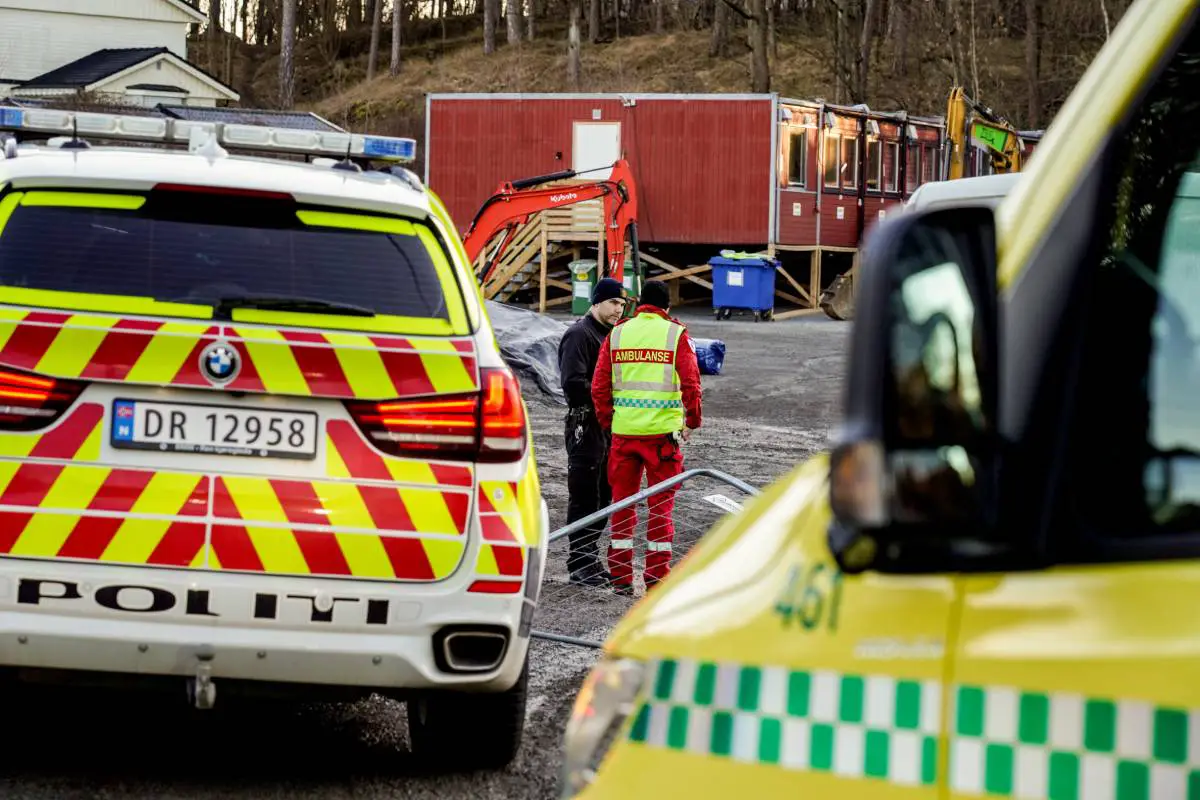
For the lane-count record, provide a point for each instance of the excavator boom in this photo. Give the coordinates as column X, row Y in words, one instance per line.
column 515, row 202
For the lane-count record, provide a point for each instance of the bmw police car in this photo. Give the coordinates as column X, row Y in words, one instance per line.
column 255, row 429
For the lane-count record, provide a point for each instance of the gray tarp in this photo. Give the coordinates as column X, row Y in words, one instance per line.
column 529, row 344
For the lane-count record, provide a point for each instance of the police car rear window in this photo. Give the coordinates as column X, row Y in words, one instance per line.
column 202, row 249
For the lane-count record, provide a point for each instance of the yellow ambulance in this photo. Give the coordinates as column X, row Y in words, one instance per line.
column 990, row 587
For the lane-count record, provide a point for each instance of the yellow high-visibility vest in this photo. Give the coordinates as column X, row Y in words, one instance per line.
column 647, row 397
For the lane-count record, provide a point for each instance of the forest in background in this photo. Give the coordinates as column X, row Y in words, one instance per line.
column 367, row 64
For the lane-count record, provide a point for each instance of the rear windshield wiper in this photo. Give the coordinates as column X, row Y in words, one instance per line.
column 310, row 305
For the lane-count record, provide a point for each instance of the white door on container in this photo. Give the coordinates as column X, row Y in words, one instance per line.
column 595, row 146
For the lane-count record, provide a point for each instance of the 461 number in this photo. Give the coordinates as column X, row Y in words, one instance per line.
column 811, row 597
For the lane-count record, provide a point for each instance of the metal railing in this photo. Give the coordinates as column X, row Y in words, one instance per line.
column 694, row 517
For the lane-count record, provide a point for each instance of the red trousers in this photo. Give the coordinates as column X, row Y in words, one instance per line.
column 660, row 458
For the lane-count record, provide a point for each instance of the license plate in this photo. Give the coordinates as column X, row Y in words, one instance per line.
column 213, row 430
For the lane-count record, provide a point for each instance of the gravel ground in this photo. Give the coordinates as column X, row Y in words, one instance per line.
column 775, row 403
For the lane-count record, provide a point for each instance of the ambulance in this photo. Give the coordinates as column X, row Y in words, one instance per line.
column 256, row 434
column 989, row 586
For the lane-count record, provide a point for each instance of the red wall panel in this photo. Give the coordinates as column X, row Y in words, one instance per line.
column 702, row 166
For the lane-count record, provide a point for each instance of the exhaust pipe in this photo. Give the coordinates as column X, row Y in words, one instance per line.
column 470, row 650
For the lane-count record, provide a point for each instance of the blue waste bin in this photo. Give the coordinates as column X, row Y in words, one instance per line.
column 743, row 283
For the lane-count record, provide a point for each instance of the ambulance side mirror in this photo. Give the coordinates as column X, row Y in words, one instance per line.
column 912, row 475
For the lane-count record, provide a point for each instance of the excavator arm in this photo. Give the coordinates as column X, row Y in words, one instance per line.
column 969, row 123
column 515, row 202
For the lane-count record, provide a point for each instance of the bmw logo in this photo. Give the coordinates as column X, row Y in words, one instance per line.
column 220, row 363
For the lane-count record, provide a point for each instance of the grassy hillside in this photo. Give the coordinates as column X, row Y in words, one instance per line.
column 331, row 75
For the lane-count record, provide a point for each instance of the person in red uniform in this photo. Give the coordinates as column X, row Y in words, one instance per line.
column 659, row 454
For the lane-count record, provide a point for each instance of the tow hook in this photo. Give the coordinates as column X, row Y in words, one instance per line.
column 202, row 692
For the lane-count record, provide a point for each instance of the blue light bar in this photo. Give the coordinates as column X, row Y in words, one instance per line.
column 390, row 147
column 124, row 127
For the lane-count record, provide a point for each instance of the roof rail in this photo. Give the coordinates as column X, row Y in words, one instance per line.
column 258, row 138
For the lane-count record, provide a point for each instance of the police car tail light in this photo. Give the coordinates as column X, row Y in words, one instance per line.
column 488, row 425
column 434, row 427
column 29, row 402
column 503, row 416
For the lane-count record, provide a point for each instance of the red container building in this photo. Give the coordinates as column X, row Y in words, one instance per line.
column 713, row 171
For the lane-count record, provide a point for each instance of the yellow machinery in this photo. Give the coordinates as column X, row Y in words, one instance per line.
column 970, row 127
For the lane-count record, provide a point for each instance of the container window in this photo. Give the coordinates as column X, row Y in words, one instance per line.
column 891, row 166
column 874, row 164
column 849, row 165
column 798, row 158
column 912, row 178
column 832, row 163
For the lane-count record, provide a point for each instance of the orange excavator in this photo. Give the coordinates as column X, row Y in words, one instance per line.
column 515, row 202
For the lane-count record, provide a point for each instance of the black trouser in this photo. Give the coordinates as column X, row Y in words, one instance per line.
column 587, row 487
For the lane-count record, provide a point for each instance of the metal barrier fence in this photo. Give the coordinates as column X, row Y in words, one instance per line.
column 583, row 615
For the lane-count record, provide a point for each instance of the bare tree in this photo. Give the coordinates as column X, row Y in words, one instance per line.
column 720, row 30
column 593, row 20
column 573, row 66
column 529, row 17
column 513, row 17
column 287, row 48
column 214, row 31
column 491, row 9
column 1033, row 59
column 397, row 16
column 658, row 16
column 376, row 22
column 760, row 67
column 865, row 38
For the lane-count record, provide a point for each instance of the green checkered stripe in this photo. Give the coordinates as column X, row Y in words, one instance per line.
column 641, row 402
column 871, row 727
column 1061, row 746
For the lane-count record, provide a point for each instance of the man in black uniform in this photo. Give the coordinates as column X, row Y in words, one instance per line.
column 587, row 443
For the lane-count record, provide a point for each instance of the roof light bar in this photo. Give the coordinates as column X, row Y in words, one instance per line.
column 124, row 127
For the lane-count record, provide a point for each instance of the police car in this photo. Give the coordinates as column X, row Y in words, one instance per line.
column 255, row 429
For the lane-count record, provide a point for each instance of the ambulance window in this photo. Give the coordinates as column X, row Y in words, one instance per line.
column 1134, row 468
column 196, row 250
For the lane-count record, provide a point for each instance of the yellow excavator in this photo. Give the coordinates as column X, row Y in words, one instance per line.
column 970, row 126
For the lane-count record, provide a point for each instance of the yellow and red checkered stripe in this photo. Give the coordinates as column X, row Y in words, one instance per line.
column 274, row 361
column 375, row 517
column 500, row 564
column 95, row 513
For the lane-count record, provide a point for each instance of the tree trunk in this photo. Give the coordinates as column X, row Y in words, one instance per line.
column 899, row 35
column 354, row 14
column 530, row 12
column 658, row 16
column 214, row 29
column 772, row 40
column 865, row 37
column 397, row 16
column 1033, row 60
column 573, row 66
column 593, row 20
column 376, row 23
column 720, row 30
column 513, row 18
column 489, row 27
column 286, row 49
column 760, row 67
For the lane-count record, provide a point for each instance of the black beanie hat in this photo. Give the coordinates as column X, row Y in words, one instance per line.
column 655, row 293
column 607, row 289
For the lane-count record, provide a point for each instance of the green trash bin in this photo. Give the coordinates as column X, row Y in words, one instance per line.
column 583, row 280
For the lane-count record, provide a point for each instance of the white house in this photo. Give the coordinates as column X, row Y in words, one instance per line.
column 122, row 50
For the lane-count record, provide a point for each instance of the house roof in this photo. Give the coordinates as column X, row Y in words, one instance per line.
column 97, row 66
column 302, row 120
column 104, row 65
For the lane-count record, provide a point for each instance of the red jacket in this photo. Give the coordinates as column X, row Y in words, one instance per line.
column 685, row 364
